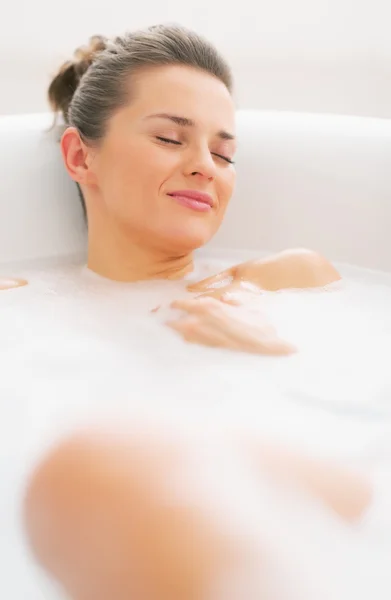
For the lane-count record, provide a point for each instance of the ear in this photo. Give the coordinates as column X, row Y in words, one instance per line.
column 77, row 156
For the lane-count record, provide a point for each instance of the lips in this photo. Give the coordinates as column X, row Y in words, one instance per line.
column 198, row 201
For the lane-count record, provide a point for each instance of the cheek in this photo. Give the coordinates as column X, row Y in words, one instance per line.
column 226, row 186
column 136, row 170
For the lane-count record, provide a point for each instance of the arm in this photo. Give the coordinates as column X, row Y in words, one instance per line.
column 7, row 284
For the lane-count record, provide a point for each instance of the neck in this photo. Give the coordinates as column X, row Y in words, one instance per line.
column 112, row 254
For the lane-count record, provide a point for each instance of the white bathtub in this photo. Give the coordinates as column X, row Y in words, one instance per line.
column 77, row 348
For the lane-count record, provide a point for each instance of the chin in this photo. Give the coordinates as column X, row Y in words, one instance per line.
column 186, row 239
column 184, row 243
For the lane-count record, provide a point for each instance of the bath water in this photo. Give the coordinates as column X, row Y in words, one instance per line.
column 76, row 348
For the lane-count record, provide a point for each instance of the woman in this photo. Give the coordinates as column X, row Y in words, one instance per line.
column 150, row 140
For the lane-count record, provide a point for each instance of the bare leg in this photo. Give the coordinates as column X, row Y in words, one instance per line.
column 346, row 493
column 114, row 519
column 101, row 518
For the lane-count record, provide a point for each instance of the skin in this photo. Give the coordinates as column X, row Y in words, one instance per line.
column 8, row 284
column 103, row 518
column 344, row 492
column 210, row 322
column 207, row 319
column 134, row 541
column 297, row 268
column 136, row 230
column 99, row 514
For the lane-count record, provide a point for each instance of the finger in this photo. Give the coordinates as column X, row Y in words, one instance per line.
column 180, row 325
column 195, row 331
column 198, row 305
column 240, row 298
column 231, row 299
column 264, row 346
column 262, row 339
column 214, row 281
column 234, row 328
column 277, row 347
column 237, row 298
column 221, row 294
column 235, row 293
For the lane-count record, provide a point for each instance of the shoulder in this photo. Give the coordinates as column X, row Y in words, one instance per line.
column 302, row 268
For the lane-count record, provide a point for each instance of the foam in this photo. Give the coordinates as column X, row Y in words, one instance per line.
column 71, row 340
column 76, row 348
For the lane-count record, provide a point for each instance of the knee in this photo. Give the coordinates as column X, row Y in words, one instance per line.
column 83, row 509
column 100, row 516
column 54, row 499
column 86, row 473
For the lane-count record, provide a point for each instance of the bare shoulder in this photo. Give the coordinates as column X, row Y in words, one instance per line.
column 294, row 268
column 302, row 267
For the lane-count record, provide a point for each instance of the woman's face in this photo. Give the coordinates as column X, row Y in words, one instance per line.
column 164, row 170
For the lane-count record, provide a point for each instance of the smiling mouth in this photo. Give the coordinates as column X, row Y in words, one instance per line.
column 198, row 201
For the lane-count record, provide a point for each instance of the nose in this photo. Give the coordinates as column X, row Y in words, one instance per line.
column 201, row 164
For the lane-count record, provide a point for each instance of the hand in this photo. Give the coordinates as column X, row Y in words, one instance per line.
column 209, row 322
column 237, row 293
column 7, row 284
column 290, row 269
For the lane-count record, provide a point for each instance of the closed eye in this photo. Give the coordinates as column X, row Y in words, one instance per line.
column 228, row 160
column 168, row 140
column 176, row 143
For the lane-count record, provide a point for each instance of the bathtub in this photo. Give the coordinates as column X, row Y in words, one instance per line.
column 76, row 348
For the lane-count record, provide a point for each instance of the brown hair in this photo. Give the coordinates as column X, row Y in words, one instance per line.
column 88, row 89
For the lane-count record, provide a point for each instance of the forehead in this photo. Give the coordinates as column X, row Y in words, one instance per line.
column 185, row 91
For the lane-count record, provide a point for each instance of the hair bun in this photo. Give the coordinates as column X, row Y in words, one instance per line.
column 64, row 84
column 86, row 54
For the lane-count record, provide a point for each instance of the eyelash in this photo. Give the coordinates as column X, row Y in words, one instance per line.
column 168, row 141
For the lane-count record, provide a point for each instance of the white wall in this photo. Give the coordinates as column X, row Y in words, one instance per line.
column 309, row 55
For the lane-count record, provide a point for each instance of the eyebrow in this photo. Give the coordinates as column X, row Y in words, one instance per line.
column 185, row 122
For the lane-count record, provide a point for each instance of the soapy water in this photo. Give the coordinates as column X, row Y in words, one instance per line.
column 343, row 334
column 76, row 348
